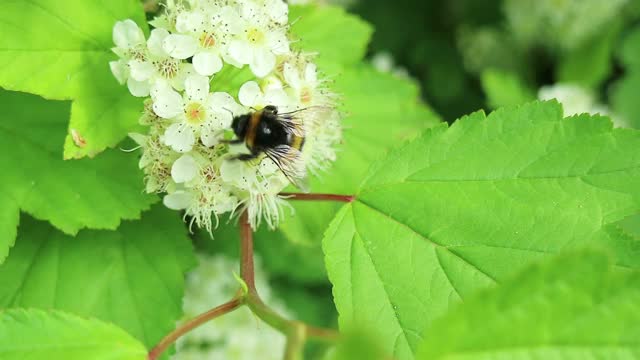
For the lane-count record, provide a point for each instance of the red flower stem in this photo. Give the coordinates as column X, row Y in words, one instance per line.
column 319, row 197
column 164, row 344
column 291, row 328
column 247, row 272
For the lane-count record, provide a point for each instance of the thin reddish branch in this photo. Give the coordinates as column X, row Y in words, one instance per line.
column 255, row 303
column 247, row 272
column 164, row 344
column 319, row 197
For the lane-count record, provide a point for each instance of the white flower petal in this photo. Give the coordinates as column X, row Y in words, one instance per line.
column 230, row 60
column 187, row 21
column 210, row 136
column 291, row 76
column 179, row 137
column 197, row 88
column 138, row 88
column 232, row 20
column 277, row 97
column 222, row 100
column 219, row 120
column 120, row 70
column 167, row 103
column 278, row 43
column 241, row 51
column 178, row 200
column 311, row 74
column 250, row 94
column 184, row 169
column 141, row 70
column 180, row 46
column 127, row 34
column 278, row 11
column 179, row 80
column 154, row 44
column 263, row 62
column 207, row 63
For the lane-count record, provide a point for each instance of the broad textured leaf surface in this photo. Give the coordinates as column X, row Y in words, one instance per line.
column 461, row 208
column 71, row 195
column 573, row 307
column 132, row 277
column 36, row 335
column 61, row 50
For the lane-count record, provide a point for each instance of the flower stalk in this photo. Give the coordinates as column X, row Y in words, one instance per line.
column 296, row 331
column 172, row 337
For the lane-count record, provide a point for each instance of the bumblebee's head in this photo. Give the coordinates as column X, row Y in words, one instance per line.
column 270, row 110
column 239, row 125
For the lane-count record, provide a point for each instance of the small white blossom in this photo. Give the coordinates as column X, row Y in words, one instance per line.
column 130, row 46
column 197, row 113
column 252, row 96
column 184, row 155
column 577, row 100
column 257, row 42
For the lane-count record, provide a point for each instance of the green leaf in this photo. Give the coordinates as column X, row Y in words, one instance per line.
column 71, row 195
column 505, row 89
column 382, row 111
column 624, row 97
column 573, row 307
column 357, row 345
column 36, row 334
column 461, row 208
column 629, row 53
column 61, row 50
column 316, row 28
column 630, row 226
column 133, row 277
column 591, row 63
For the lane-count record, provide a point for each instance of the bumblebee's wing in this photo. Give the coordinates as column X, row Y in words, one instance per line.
column 290, row 162
column 308, row 115
column 292, row 123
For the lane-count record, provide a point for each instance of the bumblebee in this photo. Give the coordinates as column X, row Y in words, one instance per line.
column 279, row 136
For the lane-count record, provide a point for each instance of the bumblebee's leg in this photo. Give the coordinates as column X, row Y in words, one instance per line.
column 247, row 157
column 232, row 142
column 244, row 157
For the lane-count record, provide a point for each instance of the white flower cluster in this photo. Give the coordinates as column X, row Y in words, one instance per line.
column 235, row 336
column 186, row 153
column 565, row 24
column 577, row 100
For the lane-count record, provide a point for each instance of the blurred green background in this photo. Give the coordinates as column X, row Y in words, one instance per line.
column 467, row 55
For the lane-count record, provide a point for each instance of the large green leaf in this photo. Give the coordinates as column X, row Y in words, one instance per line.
column 61, row 50
column 573, row 307
column 317, row 30
column 461, row 208
column 36, row 335
column 132, row 277
column 71, row 195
